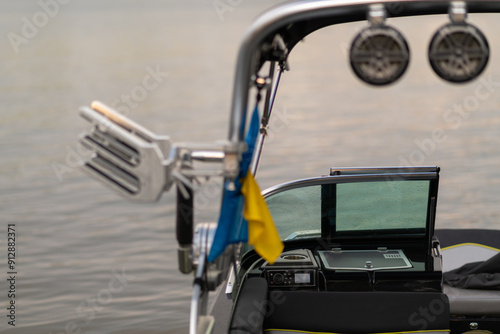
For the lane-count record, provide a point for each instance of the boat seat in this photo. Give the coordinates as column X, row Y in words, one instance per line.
column 470, row 302
column 358, row 312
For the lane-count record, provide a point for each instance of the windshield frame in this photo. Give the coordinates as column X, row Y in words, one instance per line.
column 341, row 176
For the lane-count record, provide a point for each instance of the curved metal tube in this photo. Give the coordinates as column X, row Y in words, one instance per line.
column 296, row 21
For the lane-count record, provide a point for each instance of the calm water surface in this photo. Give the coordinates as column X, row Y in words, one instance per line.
column 88, row 261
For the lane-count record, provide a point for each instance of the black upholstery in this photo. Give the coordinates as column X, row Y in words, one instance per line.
column 250, row 308
column 359, row 312
column 471, row 265
column 448, row 237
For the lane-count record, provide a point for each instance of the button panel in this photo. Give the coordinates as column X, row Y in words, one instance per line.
column 291, row 278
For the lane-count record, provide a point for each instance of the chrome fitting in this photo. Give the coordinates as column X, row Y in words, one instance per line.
column 377, row 14
column 458, row 11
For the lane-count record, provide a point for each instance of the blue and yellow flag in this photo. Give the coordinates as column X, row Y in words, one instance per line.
column 255, row 225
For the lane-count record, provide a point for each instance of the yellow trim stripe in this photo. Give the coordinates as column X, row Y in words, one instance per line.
column 407, row 332
column 471, row 244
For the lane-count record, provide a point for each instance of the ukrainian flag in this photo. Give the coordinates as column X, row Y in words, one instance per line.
column 244, row 214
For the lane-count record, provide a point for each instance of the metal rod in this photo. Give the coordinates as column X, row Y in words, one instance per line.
column 265, row 121
column 198, row 300
column 265, row 114
column 274, row 91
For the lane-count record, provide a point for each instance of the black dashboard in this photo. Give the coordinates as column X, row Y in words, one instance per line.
column 336, row 269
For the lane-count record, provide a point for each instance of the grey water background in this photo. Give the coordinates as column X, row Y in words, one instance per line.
column 87, row 261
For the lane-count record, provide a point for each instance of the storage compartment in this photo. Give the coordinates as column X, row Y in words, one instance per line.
column 364, row 260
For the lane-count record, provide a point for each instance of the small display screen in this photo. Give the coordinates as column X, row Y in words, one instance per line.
column 302, row 278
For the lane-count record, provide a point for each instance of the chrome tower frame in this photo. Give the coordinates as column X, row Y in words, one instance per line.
column 295, row 20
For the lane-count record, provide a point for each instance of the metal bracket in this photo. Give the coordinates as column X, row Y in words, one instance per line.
column 458, row 11
column 126, row 157
column 281, row 52
column 377, row 14
column 140, row 165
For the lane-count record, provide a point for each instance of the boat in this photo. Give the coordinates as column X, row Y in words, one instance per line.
column 353, row 251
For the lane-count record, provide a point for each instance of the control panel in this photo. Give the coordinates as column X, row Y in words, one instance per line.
column 292, row 269
column 291, row 278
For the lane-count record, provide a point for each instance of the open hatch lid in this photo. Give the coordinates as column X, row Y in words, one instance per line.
column 358, row 203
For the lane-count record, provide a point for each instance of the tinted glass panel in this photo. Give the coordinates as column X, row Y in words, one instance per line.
column 355, row 207
column 382, row 205
column 297, row 211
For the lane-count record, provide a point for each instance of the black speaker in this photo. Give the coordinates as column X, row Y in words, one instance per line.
column 379, row 55
column 458, row 52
